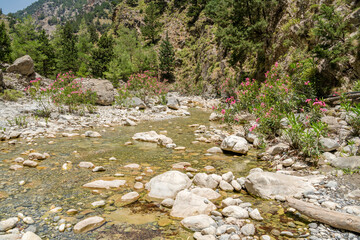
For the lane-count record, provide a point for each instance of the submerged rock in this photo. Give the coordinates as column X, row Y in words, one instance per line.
column 8, row 224
column 168, row 184
column 88, row 224
column 105, row 184
column 268, row 185
column 92, row 134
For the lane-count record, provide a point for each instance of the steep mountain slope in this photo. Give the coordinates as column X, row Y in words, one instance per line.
column 49, row 13
column 217, row 40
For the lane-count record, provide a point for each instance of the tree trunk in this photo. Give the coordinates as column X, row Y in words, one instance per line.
column 335, row 219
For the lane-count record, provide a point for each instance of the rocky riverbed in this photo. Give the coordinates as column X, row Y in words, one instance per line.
column 120, row 174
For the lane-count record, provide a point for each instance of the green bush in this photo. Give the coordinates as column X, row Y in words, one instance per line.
column 11, row 95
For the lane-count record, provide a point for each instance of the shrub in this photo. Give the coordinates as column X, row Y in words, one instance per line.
column 304, row 136
column 144, row 86
column 66, row 90
column 354, row 119
column 11, row 95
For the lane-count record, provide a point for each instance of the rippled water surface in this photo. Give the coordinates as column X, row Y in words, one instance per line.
column 48, row 185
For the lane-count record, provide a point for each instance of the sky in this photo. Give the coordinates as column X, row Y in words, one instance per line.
column 11, row 6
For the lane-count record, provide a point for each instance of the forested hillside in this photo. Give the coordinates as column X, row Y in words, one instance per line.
column 210, row 42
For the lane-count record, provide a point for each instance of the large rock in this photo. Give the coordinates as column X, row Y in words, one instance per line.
column 88, row 224
column 268, row 185
column 104, row 90
column 329, row 144
column 136, row 102
column 206, row 193
column 198, row 223
column 173, row 103
column 235, row 144
column 189, row 204
column 278, row 148
column 204, row 180
column 346, row 162
column 23, row 65
column 168, row 184
column 151, row 136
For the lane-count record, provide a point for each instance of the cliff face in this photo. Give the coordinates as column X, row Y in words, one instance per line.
column 202, row 60
column 49, row 13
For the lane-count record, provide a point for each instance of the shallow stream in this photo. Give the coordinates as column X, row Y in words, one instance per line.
column 49, row 186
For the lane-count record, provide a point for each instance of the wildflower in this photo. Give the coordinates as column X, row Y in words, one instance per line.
column 223, row 111
column 307, row 83
column 308, row 100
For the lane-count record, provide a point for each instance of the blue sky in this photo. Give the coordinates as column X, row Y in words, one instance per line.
column 11, row 6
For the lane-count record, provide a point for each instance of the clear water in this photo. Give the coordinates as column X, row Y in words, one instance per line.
column 48, row 185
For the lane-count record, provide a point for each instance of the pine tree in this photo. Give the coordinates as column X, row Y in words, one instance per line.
column 84, row 47
column 167, row 59
column 5, row 44
column 152, row 25
column 67, row 54
column 46, row 63
column 102, row 55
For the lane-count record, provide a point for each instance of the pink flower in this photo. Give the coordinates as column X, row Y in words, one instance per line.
column 307, row 83
column 223, row 111
column 308, row 100
column 276, row 64
column 253, row 128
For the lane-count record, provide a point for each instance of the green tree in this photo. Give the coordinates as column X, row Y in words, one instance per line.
column 242, row 28
column 84, row 47
column 130, row 56
column 167, row 59
column 46, row 62
column 102, row 55
column 330, row 33
column 5, row 44
column 152, row 25
column 67, row 54
column 25, row 40
column 94, row 37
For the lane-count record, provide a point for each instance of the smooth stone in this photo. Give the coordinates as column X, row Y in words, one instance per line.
column 235, row 144
column 88, row 224
column 206, row 193
column 277, row 149
column 28, row 220
column 204, row 180
column 214, row 150
column 138, row 185
column 92, row 134
column 15, row 167
column 267, row 185
column 130, row 197
column 199, row 236
column 255, row 214
column 209, row 168
column 198, row 222
column 230, row 202
column 36, row 156
column 8, row 224
column 330, row 205
column 99, row 169
column 189, row 204
column 168, row 202
column 86, row 165
column 248, row 230
column 236, row 185
column 100, row 203
column 30, row 236
column 105, row 184
column 168, row 184
column 354, row 194
column 235, row 212
column 288, row 162
column 228, row 177
column 30, row 163
column 225, row 186
column 132, row 166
